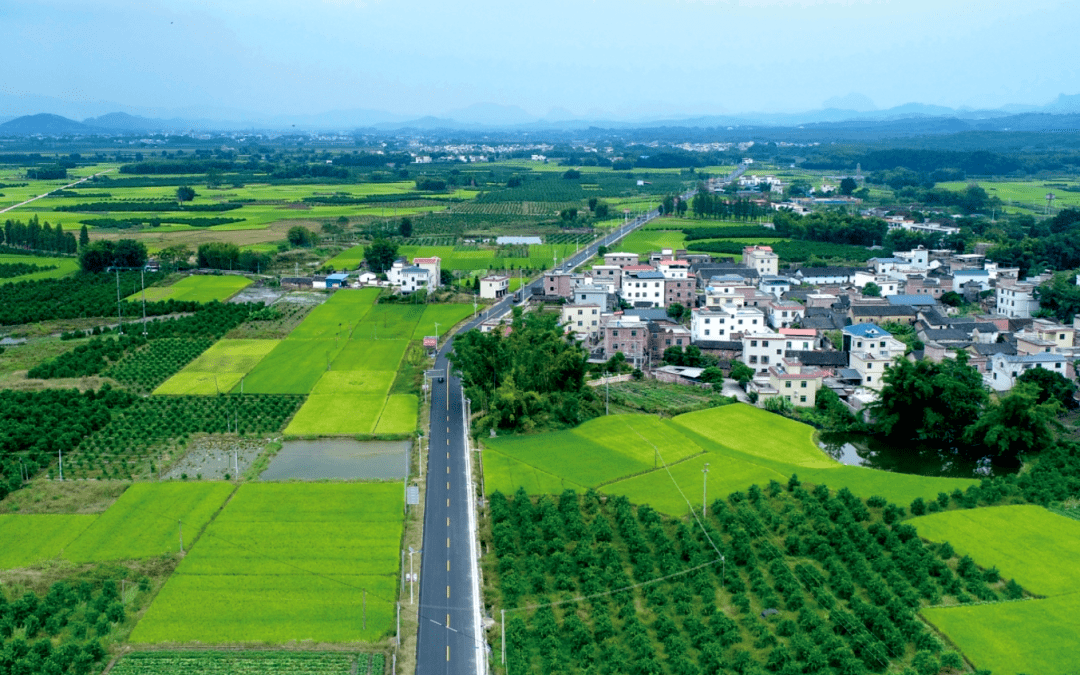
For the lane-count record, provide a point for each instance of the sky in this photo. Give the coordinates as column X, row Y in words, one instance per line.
column 616, row 58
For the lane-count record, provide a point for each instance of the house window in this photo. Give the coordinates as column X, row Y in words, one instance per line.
column 633, row 333
column 668, row 341
column 869, row 379
column 706, row 331
column 802, row 399
column 764, row 360
column 753, row 343
column 803, row 385
column 615, row 333
column 753, row 359
column 789, row 344
column 787, row 385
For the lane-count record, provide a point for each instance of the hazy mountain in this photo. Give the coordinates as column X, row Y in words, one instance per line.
column 125, row 123
column 43, row 123
column 853, row 101
column 491, row 114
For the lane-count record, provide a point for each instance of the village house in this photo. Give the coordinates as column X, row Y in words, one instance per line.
column 783, row 313
column 1004, row 369
column 664, row 334
column 619, row 259
column 557, row 284
column 789, row 379
column 872, row 351
column 583, row 320
column 494, row 287
column 723, row 323
column 642, row 287
column 1016, row 299
column 762, row 259
column 761, row 350
column 626, row 334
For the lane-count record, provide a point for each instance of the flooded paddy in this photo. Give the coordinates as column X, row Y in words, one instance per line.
column 341, row 458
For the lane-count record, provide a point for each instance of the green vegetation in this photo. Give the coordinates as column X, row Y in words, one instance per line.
column 1039, row 549
column 48, row 268
column 133, row 441
column 197, row 288
column 751, row 446
column 287, row 562
column 219, row 369
column 29, row 539
column 232, row 662
column 621, row 585
column 528, row 380
column 144, row 522
column 651, row 396
column 1024, row 542
column 398, row 415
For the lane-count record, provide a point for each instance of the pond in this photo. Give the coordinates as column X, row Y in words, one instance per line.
column 339, row 458
column 921, row 460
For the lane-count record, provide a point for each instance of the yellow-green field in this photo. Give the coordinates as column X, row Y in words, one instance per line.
column 1039, row 550
column 1025, row 195
column 743, row 445
column 62, row 267
column 197, row 288
column 219, row 369
column 287, row 563
column 29, row 539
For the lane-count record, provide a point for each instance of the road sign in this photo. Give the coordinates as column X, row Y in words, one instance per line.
column 412, row 495
column 431, row 341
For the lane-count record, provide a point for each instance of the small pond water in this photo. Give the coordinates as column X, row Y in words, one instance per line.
column 338, row 458
column 921, row 460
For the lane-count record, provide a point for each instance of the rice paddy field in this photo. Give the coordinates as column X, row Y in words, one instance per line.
column 244, row 662
column 61, row 267
column 197, row 288
column 29, row 539
column 742, row 445
column 1026, row 196
column 284, row 563
column 219, row 369
column 1039, row 550
column 143, row 523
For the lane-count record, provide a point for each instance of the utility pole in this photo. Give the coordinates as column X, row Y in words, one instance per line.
column 420, row 455
column 180, row 524
column 503, row 612
column 412, row 577
column 704, row 488
column 607, row 394
column 60, row 453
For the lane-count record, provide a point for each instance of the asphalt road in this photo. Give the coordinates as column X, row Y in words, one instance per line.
column 451, row 640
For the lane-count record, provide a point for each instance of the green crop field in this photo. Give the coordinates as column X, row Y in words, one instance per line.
column 336, row 318
column 143, row 522
column 61, row 267
column 219, row 369
column 292, row 367
column 1025, row 195
column 368, row 355
column 284, row 563
column 597, row 452
column 389, row 322
column 343, row 402
column 759, row 433
column 1013, row 638
column 447, row 316
column 28, row 539
column 1025, row 542
column 398, row 415
column 241, row 663
column 742, row 444
column 197, row 288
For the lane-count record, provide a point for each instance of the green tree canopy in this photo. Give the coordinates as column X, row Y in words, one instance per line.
column 928, row 401
column 405, row 228
column 1017, row 424
column 103, row 254
column 301, row 236
column 531, row 379
column 380, row 255
column 185, row 193
column 1052, row 386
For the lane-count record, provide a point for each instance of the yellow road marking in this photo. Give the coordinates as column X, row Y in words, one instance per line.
column 448, row 591
column 448, row 542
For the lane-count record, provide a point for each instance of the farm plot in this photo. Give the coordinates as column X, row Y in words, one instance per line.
column 1039, row 636
column 398, row 415
column 1021, row 541
column 389, row 322
column 219, row 369
column 234, row 663
column 343, row 402
column 52, row 268
column 743, row 445
column 197, row 288
column 447, row 316
column 143, row 522
column 595, row 453
column 28, row 539
column 284, row 563
column 370, row 355
column 336, row 318
column 292, row 367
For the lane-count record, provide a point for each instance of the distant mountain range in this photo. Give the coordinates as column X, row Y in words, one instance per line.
column 1062, row 113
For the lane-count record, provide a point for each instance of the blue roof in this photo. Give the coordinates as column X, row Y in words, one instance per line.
column 1042, row 357
column 648, row 275
column 910, row 299
column 971, row 273
column 340, row 276
column 866, row 330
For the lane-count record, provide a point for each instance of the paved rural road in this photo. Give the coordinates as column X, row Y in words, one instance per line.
column 451, row 637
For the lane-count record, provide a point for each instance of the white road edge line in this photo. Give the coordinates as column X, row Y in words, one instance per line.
column 474, row 533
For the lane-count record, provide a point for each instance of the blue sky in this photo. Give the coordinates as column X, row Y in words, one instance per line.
column 625, row 58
